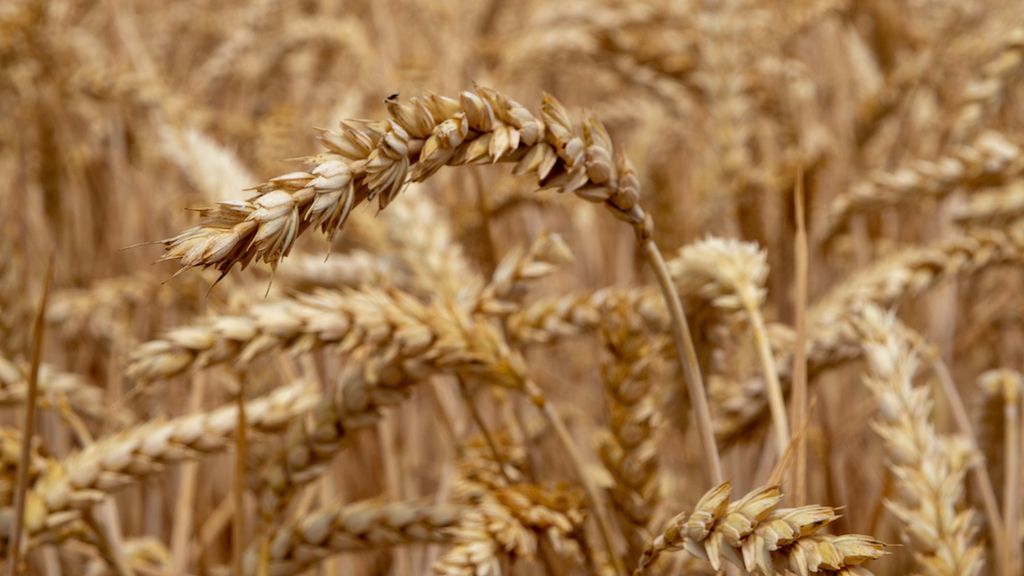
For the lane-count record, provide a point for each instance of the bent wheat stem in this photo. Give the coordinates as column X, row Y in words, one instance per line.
column 687, row 358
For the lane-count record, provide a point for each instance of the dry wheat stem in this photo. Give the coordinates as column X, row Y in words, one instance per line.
column 21, row 490
column 1005, row 386
column 755, row 535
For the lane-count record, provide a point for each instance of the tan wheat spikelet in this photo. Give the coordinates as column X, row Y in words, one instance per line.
column 988, row 160
column 423, row 341
column 54, row 387
column 367, row 525
column 547, row 320
column 89, row 476
column 994, row 206
column 507, row 522
column 985, row 92
column 731, row 275
column 501, row 296
column 762, row 539
column 929, row 468
column 376, row 159
column 630, row 449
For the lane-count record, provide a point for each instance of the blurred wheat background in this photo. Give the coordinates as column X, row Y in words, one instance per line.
column 375, row 287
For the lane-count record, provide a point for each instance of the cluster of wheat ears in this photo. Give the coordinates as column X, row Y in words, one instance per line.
column 743, row 294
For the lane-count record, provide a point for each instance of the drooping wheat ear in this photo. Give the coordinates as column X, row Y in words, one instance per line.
column 54, row 386
column 413, row 341
column 365, row 160
column 762, row 539
column 376, row 159
column 630, row 450
column 988, row 160
column 929, row 467
column 999, row 205
column 503, row 294
column 367, row 525
column 985, row 92
column 731, row 275
column 505, row 523
column 87, row 477
column 548, row 320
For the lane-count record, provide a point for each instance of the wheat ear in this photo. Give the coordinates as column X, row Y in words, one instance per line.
column 368, row 525
column 762, row 539
column 731, row 275
column 87, row 477
column 929, row 468
column 367, row 160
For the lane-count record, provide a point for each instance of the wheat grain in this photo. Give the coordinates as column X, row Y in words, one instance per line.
column 760, row 538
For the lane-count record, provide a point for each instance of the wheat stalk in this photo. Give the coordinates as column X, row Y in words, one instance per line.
column 762, row 539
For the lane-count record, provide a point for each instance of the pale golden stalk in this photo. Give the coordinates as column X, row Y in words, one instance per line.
column 1006, row 385
column 731, row 276
column 368, row 525
column 929, row 468
column 755, row 535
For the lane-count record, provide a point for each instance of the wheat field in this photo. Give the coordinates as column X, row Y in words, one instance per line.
column 485, row 288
